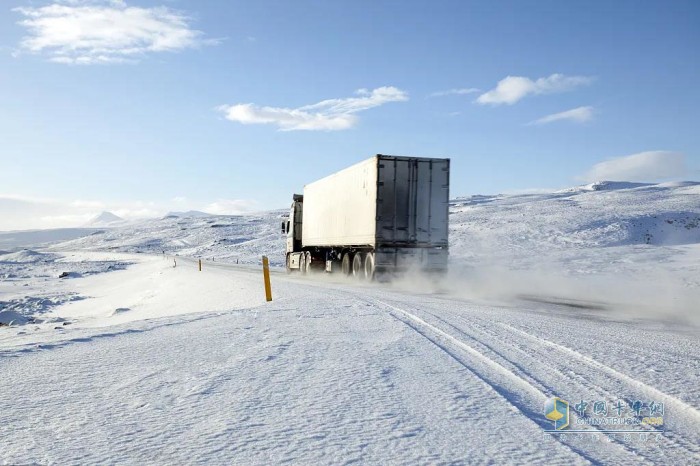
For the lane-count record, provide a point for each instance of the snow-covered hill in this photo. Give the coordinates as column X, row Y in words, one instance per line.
column 599, row 215
column 631, row 243
column 242, row 238
column 188, row 214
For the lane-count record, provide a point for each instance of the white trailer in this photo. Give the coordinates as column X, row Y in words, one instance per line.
column 383, row 215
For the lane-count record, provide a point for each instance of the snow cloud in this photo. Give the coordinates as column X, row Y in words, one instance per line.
column 577, row 115
column 460, row 91
column 327, row 115
column 511, row 89
column 644, row 166
column 104, row 31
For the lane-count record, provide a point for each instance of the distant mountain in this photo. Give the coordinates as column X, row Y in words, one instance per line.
column 106, row 219
column 188, row 214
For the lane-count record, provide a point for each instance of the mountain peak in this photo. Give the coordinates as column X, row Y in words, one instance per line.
column 105, row 219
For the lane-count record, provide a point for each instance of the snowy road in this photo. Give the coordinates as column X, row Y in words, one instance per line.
column 197, row 368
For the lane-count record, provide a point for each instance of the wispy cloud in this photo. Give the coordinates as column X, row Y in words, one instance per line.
column 644, row 166
column 511, row 89
column 327, row 115
column 578, row 115
column 104, row 31
column 460, row 91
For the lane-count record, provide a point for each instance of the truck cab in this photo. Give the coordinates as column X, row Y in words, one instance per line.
column 292, row 228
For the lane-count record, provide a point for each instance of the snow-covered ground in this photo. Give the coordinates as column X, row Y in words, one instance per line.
column 138, row 357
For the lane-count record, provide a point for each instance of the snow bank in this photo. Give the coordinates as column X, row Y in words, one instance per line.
column 27, row 256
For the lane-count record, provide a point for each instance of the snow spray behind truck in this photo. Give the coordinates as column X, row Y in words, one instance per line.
column 379, row 217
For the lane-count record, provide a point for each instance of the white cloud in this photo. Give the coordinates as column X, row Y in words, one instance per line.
column 103, row 31
column 511, row 89
column 644, row 166
column 60, row 221
column 230, row 206
column 578, row 115
column 88, row 204
column 461, row 91
column 327, row 115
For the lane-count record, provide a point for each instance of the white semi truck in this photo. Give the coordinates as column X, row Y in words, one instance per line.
column 379, row 217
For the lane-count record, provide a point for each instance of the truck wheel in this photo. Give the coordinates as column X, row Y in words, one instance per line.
column 307, row 262
column 369, row 266
column 302, row 263
column 347, row 263
column 288, row 263
column 357, row 270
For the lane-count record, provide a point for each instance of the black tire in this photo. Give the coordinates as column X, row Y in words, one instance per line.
column 357, row 266
column 302, row 263
column 369, row 266
column 288, row 263
column 347, row 263
column 307, row 262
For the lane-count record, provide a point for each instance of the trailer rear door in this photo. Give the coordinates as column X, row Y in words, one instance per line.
column 412, row 201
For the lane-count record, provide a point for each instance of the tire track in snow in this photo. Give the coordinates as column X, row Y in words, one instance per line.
column 686, row 414
column 688, row 446
column 523, row 398
column 692, row 413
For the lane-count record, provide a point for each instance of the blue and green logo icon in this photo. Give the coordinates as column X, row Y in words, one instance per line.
column 557, row 410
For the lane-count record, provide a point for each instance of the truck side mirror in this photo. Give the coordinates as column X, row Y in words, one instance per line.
column 284, row 227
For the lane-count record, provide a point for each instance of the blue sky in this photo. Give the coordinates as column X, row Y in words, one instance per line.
column 142, row 106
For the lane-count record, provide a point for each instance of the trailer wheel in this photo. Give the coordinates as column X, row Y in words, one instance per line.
column 307, row 262
column 357, row 270
column 302, row 263
column 347, row 263
column 369, row 266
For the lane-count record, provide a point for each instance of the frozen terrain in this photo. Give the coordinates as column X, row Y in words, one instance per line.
column 137, row 357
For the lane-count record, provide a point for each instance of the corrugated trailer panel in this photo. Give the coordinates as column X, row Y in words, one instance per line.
column 340, row 210
column 412, row 204
column 440, row 202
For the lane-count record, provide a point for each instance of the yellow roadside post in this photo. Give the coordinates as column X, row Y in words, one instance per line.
column 200, row 265
column 266, row 276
